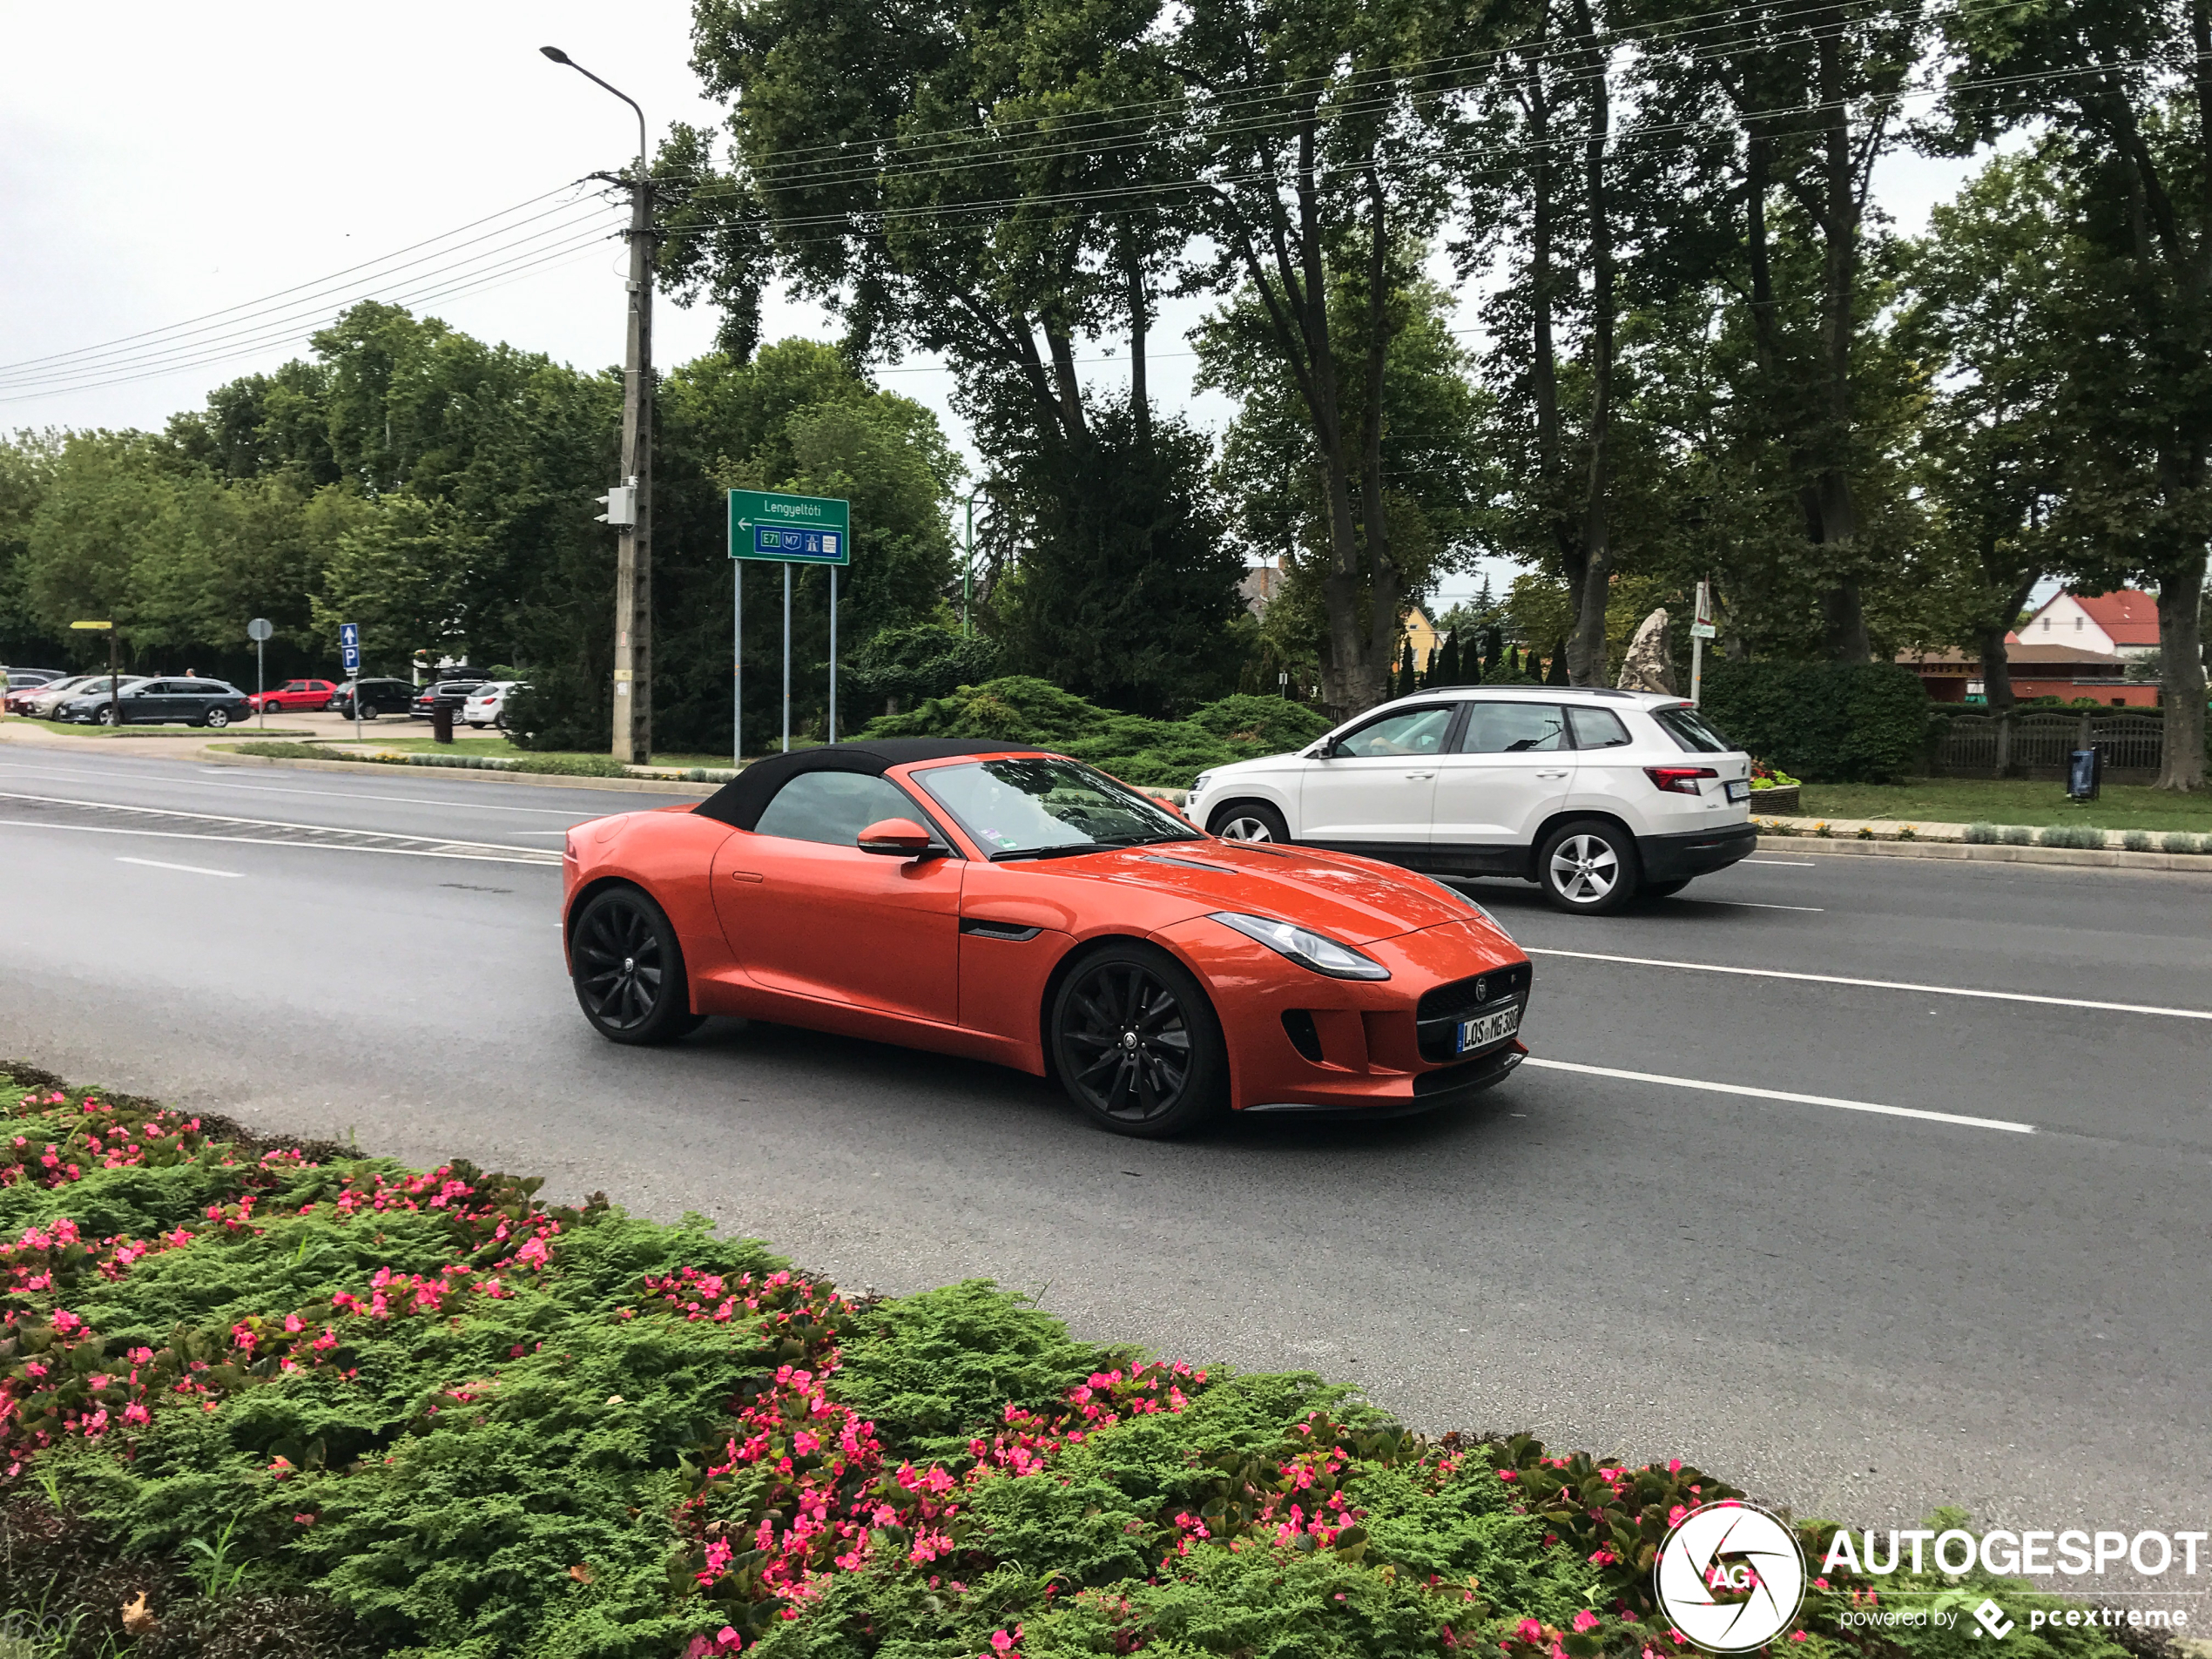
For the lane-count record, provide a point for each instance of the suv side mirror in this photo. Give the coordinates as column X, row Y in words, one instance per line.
column 897, row 838
column 1325, row 750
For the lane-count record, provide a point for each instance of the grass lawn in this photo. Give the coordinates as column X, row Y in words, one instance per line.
column 241, row 728
column 500, row 748
column 2008, row 800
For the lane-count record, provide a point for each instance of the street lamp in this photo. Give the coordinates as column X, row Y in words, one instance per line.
column 631, row 512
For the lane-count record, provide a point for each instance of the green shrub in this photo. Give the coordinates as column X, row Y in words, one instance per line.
column 2180, row 841
column 272, row 750
column 2016, row 835
column 1825, row 722
column 1980, row 834
column 1152, row 753
column 2074, row 835
column 571, row 766
column 2135, row 841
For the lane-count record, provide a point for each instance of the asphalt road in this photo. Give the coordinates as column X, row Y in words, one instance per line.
column 1858, row 1313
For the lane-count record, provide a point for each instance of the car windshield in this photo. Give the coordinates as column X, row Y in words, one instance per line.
column 1039, row 808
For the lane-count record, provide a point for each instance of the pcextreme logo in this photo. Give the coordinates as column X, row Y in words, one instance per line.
column 1731, row 1577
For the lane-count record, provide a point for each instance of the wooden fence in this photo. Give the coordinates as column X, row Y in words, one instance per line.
column 2034, row 743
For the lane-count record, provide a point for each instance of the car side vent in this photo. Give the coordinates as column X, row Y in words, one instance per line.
column 1297, row 1024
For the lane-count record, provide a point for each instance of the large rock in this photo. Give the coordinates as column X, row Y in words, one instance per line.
column 1650, row 665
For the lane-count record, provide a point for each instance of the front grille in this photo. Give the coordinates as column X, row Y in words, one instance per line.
column 1464, row 998
column 1438, row 1014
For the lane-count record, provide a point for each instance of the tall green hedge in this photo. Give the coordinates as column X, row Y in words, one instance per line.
column 1865, row 723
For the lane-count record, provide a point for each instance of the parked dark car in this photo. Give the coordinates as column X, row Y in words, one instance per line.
column 377, row 696
column 190, row 701
column 454, row 692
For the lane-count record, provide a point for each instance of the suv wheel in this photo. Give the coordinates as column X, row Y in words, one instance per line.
column 1588, row 867
column 1250, row 820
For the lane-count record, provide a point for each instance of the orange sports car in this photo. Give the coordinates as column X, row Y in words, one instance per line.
column 1012, row 905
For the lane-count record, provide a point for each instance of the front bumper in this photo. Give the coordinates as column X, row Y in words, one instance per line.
column 1368, row 1034
column 1668, row 858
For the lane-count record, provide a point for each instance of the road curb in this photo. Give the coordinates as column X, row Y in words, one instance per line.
column 2079, row 857
column 543, row 779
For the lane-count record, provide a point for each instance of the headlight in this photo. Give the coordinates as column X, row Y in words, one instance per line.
column 1303, row 946
column 1199, row 783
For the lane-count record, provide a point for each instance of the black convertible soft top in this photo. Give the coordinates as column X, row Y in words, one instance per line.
column 740, row 802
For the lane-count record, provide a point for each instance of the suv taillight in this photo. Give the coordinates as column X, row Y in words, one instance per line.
column 1679, row 780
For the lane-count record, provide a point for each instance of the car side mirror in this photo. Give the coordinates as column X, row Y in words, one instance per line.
column 897, row 838
column 1325, row 750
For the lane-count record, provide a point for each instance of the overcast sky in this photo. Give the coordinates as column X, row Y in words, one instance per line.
column 165, row 166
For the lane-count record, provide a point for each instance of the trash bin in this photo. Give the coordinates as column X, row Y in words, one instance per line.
column 441, row 720
column 2084, row 774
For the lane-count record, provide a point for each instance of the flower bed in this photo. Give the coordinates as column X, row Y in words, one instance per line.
column 276, row 1399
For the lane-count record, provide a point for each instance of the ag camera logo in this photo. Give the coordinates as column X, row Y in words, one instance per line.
column 1731, row 1577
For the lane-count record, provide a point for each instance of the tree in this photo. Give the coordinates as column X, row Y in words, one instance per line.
column 1986, row 306
column 1316, row 162
column 2127, row 87
column 1437, row 467
column 1131, row 586
column 1804, row 100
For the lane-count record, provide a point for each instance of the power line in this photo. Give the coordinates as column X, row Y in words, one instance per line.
column 280, row 293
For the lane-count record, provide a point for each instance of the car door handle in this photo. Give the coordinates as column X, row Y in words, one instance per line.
column 1420, row 774
column 744, row 875
column 1551, row 774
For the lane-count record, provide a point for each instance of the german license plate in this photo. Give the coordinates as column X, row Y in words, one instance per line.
column 1486, row 1028
column 1739, row 789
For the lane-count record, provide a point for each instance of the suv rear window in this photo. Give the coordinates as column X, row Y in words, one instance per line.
column 1690, row 731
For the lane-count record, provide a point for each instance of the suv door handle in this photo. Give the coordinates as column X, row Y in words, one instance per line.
column 1420, row 774
column 1551, row 774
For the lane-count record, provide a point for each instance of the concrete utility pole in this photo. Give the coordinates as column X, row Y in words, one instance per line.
column 633, row 719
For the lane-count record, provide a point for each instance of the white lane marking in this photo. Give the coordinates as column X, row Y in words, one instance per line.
column 484, row 852
column 1753, row 904
column 189, row 869
column 1880, row 984
column 1793, row 863
column 256, row 823
column 265, row 789
column 1783, row 1095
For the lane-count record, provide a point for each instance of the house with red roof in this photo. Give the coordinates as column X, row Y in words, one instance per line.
column 2123, row 623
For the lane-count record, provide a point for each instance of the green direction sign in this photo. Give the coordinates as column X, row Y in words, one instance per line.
column 790, row 529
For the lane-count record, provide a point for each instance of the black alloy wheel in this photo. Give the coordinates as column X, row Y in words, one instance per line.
column 629, row 970
column 1137, row 1044
column 1250, row 820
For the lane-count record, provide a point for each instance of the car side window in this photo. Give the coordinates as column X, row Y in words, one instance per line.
column 1503, row 728
column 833, row 807
column 1408, row 732
column 1596, row 728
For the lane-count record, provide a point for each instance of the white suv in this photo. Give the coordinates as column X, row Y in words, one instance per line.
column 1595, row 795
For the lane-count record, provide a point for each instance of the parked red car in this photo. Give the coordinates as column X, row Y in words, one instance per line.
column 295, row 694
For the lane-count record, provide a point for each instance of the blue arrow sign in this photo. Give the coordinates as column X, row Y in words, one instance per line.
column 349, row 635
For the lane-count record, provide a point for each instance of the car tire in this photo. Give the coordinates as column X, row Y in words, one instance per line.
column 1588, row 867
column 629, row 971
column 1137, row 1044
column 104, row 717
column 218, row 718
column 369, row 713
column 1250, row 820
column 1664, row 889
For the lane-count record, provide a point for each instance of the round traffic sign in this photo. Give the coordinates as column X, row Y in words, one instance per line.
column 260, row 629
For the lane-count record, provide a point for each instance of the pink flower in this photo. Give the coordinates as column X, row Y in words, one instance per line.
column 1676, row 1515
column 1529, row 1630
column 305, row 1520
column 1585, row 1619
column 1000, row 1641
column 1509, row 1474
column 1797, row 1636
column 1820, row 1584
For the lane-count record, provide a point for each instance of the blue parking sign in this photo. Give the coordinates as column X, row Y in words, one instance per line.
column 349, row 646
